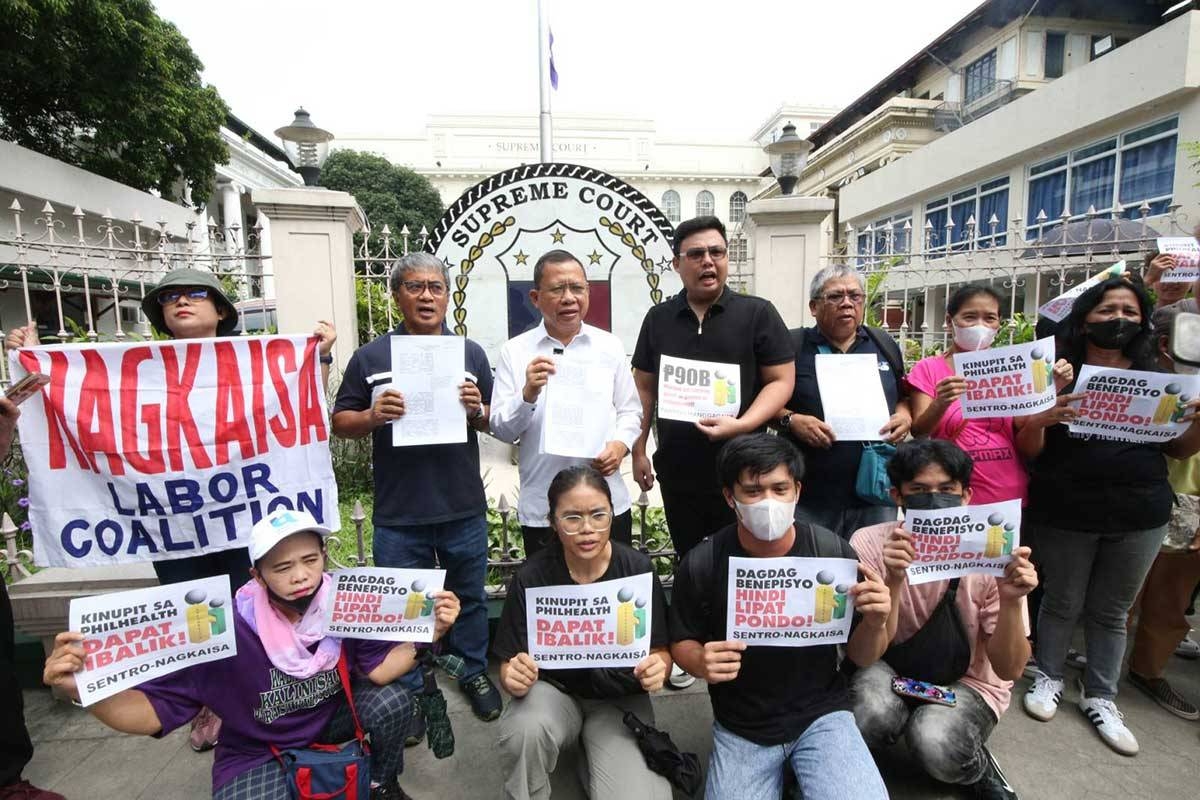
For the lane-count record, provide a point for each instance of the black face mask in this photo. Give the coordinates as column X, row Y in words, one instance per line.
column 299, row 605
column 1112, row 334
column 930, row 501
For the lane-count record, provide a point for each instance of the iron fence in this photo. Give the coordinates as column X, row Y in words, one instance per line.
column 81, row 277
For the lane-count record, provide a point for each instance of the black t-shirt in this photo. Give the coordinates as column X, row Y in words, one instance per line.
column 737, row 329
column 779, row 691
column 829, row 474
column 549, row 568
column 422, row 484
column 1084, row 483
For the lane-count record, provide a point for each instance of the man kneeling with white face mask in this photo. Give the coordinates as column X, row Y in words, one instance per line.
column 774, row 706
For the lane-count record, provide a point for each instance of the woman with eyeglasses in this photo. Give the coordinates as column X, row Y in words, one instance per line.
column 551, row 709
column 190, row 304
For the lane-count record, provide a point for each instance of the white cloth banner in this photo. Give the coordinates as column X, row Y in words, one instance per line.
column 131, row 637
column 161, row 450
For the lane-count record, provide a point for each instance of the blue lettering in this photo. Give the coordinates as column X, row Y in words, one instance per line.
column 314, row 506
column 68, row 544
column 227, row 515
column 118, row 535
column 169, row 544
column 140, row 538
column 214, row 487
column 258, row 476
column 112, row 491
column 183, row 495
column 147, row 502
column 280, row 502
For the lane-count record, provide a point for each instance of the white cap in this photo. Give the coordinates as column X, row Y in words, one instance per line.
column 277, row 526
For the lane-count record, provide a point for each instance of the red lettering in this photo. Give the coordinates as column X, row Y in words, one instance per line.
column 58, row 431
column 258, row 405
column 153, row 462
column 95, row 417
column 309, row 398
column 231, row 405
column 281, row 360
column 179, row 414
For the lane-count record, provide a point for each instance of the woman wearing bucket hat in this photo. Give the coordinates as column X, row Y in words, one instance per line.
column 191, row 304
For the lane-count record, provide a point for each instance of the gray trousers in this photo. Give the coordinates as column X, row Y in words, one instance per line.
column 537, row 728
column 1096, row 576
column 947, row 741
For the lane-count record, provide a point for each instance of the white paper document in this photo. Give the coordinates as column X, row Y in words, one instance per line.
column 427, row 370
column 578, row 400
column 852, row 396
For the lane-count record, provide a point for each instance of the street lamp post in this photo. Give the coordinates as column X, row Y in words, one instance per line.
column 789, row 154
column 306, row 145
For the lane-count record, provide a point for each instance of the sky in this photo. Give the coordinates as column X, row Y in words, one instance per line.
column 700, row 70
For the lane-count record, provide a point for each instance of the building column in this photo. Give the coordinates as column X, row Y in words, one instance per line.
column 312, row 235
column 231, row 212
column 264, row 251
column 784, row 236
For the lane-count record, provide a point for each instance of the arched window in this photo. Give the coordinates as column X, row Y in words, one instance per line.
column 737, row 207
column 705, row 205
column 671, row 206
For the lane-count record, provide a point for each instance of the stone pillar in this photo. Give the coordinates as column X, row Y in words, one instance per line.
column 231, row 211
column 265, row 263
column 312, row 256
column 785, row 234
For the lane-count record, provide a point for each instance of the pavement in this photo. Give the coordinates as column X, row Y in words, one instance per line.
column 1062, row 759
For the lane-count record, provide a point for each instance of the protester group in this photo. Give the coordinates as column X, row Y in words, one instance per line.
column 803, row 593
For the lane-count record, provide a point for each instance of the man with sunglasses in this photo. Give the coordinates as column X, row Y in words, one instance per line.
column 429, row 499
column 191, row 304
column 527, row 366
column 706, row 321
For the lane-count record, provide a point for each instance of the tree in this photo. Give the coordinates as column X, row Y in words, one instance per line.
column 109, row 86
column 391, row 195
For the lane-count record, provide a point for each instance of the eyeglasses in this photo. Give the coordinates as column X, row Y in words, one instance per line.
column 573, row 523
column 417, row 288
column 836, row 298
column 576, row 290
column 169, row 297
column 716, row 252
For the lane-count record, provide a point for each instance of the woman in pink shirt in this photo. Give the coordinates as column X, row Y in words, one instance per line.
column 973, row 312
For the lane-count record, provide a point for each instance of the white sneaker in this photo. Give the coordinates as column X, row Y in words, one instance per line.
column 679, row 679
column 1107, row 719
column 1042, row 699
column 1188, row 648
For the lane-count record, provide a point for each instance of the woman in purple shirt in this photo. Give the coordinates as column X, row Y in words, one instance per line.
column 282, row 688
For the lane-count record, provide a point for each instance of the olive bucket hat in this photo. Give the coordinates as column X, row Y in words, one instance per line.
column 190, row 277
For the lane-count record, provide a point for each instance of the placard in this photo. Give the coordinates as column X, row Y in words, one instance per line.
column 427, row 370
column 790, row 602
column 852, row 396
column 578, row 403
column 952, row 542
column 1012, row 381
column 394, row 605
column 131, row 637
column 605, row 624
column 1186, row 252
column 690, row 390
column 1058, row 308
column 1132, row 405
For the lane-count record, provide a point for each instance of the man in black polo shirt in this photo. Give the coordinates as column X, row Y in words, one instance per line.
column 428, row 498
column 706, row 321
column 837, row 300
column 774, row 705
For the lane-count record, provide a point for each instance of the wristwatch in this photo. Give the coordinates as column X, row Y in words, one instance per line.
column 478, row 413
column 326, row 359
column 785, row 421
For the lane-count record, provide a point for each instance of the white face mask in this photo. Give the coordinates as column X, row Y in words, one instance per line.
column 975, row 337
column 768, row 519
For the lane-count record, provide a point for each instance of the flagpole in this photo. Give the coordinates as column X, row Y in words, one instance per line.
column 544, row 120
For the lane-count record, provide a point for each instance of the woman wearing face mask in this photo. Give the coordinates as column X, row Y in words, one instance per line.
column 1098, row 508
column 552, row 709
column 973, row 313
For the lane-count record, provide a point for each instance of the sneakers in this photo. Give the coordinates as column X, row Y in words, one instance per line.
column 206, row 728
column 483, row 696
column 1166, row 696
column 1107, row 719
column 1042, row 699
column 679, row 679
column 416, row 729
column 24, row 790
column 1188, row 648
column 1031, row 668
column 993, row 785
column 389, row 791
column 1076, row 659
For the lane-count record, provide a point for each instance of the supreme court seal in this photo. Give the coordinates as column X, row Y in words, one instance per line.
column 491, row 237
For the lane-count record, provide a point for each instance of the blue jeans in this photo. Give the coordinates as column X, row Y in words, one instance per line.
column 1096, row 576
column 459, row 547
column 830, row 760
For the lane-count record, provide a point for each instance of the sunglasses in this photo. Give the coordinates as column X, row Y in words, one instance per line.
column 169, row 297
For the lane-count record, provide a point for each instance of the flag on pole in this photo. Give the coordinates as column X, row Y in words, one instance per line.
column 553, row 70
